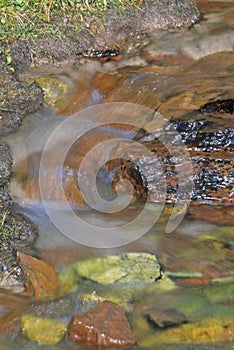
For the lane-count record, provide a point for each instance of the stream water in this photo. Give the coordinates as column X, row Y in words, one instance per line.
column 175, row 73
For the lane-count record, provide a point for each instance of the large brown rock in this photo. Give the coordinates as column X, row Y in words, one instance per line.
column 104, row 325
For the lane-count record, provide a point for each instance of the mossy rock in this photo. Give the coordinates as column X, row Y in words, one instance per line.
column 204, row 332
column 126, row 268
column 222, row 234
column 124, row 296
column 43, row 330
column 56, row 91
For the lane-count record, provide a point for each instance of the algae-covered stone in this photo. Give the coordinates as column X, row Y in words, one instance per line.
column 222, row 234
column 124, row 268
column 56, row 91
column 123, row 295
column 207, row 331
column 43, row 330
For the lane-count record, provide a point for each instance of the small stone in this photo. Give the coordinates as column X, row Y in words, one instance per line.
column 165, row 318
column 104, row 325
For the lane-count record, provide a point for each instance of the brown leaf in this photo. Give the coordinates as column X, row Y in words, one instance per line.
column 40, row 278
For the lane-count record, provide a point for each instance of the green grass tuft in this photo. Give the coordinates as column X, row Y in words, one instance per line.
column 23, row 19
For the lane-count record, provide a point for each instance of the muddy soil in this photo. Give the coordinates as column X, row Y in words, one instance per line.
column 16, row 100
column 17, row 232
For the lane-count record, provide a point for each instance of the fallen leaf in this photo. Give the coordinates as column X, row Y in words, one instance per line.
column 40, row 278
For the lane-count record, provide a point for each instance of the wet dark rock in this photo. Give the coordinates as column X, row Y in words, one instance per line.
column 186, row 126
column 165, row 318
column 202, row 129
column 213, row 180
column 104, row 326
column 218, row 106
column 215, row 141
column 103, row 55
column 211, row 156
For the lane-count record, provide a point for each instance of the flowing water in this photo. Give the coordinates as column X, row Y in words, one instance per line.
column 175, row 73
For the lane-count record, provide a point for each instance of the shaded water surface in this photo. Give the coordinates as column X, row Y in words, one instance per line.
column 175, row 73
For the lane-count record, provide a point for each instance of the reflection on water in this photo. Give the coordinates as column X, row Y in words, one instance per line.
column 176, row 72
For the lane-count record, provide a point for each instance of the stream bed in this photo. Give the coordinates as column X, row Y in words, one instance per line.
column 174, row 74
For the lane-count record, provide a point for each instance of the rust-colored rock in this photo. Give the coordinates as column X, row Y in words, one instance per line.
column 167, row 60
column 79, row 98
column 104, row 325
column 106, row 82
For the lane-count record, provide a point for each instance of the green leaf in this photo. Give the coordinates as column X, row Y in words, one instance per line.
column 8, row 59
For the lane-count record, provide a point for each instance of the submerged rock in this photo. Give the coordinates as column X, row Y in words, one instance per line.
column 182, row 317
column 12, row 306
column 207, row 331
column 103, row 326
column 133, row 268
column 43, row 330
column 165, row 318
